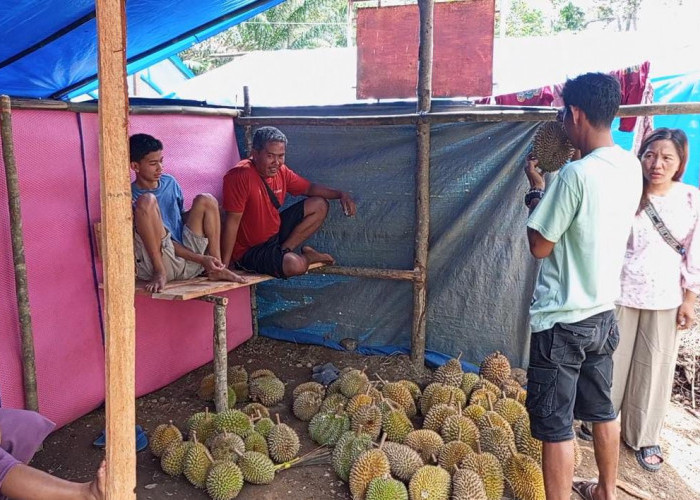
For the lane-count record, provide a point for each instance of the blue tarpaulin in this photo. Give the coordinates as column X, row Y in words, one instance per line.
column 49, row 47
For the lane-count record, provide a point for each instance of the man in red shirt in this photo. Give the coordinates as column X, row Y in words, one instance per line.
column 256, row 236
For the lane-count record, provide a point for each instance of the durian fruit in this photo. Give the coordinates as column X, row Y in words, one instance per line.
column 396, row 425
column 358, row 401
column 424, row 403
column 369, row 418
column 233, row 421
column 350, row 446
column 467, row 485
column 551, row 146
column 256, row 467
column 426, row 442
column 437, row 415
column 483, row 397
column 524, row 442
column 404, row 461
column 226, row 446
column 387, row 405
column 474, row 412
column 441, row 394
column 333, row 402
column 206, row 387
column 282, row 442
column 402, row 395
column 469, row 380
column 333, row 387
column 314, row 387
column 224, row 480
column 484, row 383
column 412, row 388
column 513, row 391
column 203, row 424
column 386, row 488
column 430, row 482
column 369, row 465
column 196, row 463
column 240, row 389
column 306, row 405
column 460, row 428
column 255, row 410
column 450, row 373
column 163, row 436
column 452, row 454
column 237, row 374
column 509, row 409
column 326, row 428
column 497, row 441
column 266, row 390
column 255, row 442
column 495, row 368
column 172, row 459
column 375, row 394
column 353, row 382
column 263, row 372
column 524, row 476
column 264, row 426
column 519, row 375
column 493, row 419
column 489, row 470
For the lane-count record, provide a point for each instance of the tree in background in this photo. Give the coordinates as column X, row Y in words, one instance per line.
column 293, row 24
column 571, row 17
column 522, row 20
column 624, row 13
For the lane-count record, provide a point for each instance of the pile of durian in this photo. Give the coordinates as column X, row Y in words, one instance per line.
column 225, row 450
column 474, row 441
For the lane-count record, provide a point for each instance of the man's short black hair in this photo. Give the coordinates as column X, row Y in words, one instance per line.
column 596, row 94
column 263, row 135
column 142, row 144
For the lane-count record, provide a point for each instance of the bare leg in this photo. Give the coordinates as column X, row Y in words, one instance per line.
column 313, row 256
column 558, row 469
column 27, row 483
column 204, row 219
column 315, row 211
column 149, row 224
column 606, row 444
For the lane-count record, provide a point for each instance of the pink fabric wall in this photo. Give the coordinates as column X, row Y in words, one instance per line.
column 171, row 338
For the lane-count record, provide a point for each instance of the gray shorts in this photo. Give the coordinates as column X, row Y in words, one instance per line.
column 570, row 375
column 176, row 268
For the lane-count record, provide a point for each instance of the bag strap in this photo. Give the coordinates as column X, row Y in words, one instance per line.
column 662, row 229
column 271, row 194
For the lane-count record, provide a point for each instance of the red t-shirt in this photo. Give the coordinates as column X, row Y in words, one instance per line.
column 245, row 193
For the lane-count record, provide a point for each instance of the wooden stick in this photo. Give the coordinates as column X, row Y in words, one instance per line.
column 425, row 75
column 254, row 310
column 366, row 272
column 31, row 400
column 220, row 352
column 247, row 111
column 118, row 246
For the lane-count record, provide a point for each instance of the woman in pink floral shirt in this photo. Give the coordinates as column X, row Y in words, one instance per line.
column 660, row 282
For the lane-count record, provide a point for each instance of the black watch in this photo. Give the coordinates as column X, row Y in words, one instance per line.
column 533, row 194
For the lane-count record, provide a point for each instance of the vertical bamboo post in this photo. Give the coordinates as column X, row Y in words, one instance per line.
column 118, row 259
column 248, row 110
column 31, row 401
column 425, row 75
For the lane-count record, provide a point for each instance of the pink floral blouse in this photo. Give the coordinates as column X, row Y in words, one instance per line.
column 654, row 274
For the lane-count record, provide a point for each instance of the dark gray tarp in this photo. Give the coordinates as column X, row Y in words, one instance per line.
column 481, row 274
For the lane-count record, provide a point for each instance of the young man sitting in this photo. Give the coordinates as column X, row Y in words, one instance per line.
column 169, row 243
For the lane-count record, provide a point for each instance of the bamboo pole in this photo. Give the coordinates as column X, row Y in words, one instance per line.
column 365, row 272
column 118, row 258
column 425, row 76
column 31, row 399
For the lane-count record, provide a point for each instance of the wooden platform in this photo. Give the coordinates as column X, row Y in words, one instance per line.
column 201, row 286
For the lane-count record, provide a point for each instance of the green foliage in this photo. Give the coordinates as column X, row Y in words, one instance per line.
column 523, row 20
column 571, row 18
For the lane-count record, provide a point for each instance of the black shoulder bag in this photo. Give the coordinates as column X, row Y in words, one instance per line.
column 660, row 227
column 271, row 194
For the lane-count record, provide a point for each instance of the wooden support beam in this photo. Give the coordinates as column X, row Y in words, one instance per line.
column 118, row 246
column 220, row 352
column 254, row 310
column 425, row 77
column 247, row 111
column 31, row 400
column 367, row 272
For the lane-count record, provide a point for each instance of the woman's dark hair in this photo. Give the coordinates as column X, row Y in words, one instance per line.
column 142, row 144
column 680, row 143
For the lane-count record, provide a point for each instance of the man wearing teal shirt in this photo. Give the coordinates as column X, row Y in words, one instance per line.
column 579, row 229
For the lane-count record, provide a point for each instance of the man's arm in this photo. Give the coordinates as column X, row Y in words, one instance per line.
column 333, row 194
column 229, row 234
column 540, row 247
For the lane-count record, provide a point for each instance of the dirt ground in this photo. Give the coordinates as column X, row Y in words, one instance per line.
column 69, row 453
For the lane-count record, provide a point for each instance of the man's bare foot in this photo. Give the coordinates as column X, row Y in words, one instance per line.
column 313, row 256
column 157, row 282
column 226, row 275
column 96, row 488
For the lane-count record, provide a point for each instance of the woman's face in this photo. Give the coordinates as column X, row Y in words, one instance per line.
column 660, row 162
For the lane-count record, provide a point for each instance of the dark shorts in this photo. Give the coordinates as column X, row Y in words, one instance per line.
column 570, row 376
column 266, row 258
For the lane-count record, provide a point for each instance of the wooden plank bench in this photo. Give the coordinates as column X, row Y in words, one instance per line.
column 201, row 288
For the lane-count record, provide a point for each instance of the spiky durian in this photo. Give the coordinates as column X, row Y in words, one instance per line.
column 314, row 387
column 430, row 482
column 467, row 485
column 350, row 446
column 196, row 463
column 224, row 480
column 369, row 465
column 306, row 405
column 267, row 390
column 404, row 461
column 234, row 421
column 282, row 442
column 163, row 436
column 426, row 442
column 226, row 446
column 450, row 373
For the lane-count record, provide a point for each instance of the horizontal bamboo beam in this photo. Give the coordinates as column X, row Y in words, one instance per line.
column 365, row 272
column 91, row 107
